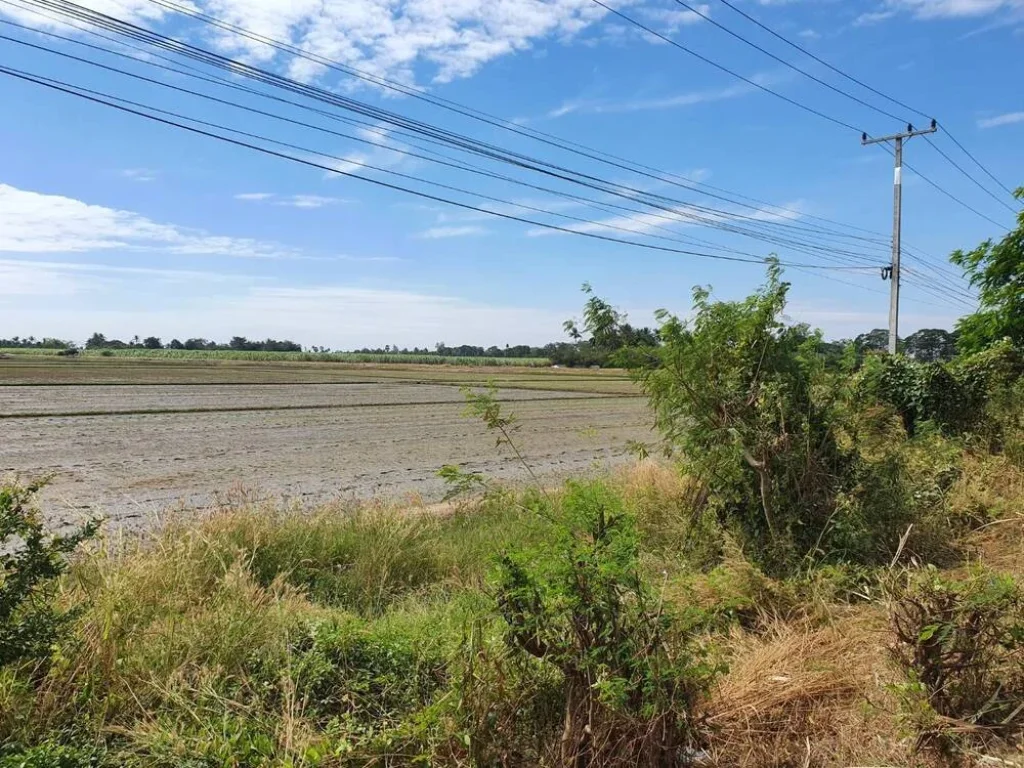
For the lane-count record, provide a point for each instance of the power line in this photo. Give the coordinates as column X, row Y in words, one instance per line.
column 73, row 90
column 864, row 85
column 721, row 67
column 637, row 195
column 788, row 64
column 460, row 142
column 675, row 218
column 821, row 61
column 547, row 138
column 978, row 163
column 955, row 165
column 965, row 173
column 537, row 135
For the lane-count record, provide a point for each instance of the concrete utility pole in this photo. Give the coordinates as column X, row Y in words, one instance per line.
column 892, row 272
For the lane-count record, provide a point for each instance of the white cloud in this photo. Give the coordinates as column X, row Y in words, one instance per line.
column 139, row 174
column 933, row 9
column 311, row 201
column 673, row 101
column 684, row 216
column 32, row 222
column 405, row 40
column 671, row 19
column 1008, row 119
column 872, row 17
column 292, row 201
column 340, row 316
column 809, row 34
column 438, row 233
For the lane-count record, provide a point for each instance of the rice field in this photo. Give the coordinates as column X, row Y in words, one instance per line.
column 130, row 437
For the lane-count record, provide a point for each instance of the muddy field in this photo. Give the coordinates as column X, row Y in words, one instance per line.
column 133, row 452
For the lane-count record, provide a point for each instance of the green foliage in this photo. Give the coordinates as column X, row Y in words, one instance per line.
column 735, row 392
column 953, row 396
column 50, row 755
column 920, row 392
column 30, row 623
column 612, row 341
column 960, row 644
column 996, row 270
column 581, row 605
column 930, row 345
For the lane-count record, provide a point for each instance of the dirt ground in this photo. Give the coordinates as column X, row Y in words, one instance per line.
column 133, row 452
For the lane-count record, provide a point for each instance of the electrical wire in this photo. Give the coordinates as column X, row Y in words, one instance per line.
column 633, row 194
column 943, row 190
column 547, row 138
column 978, row 163
column 789, row 64
column 870, row 88
column 981, row 186
column 733, row 73
column 588, row 201
column 73, row 90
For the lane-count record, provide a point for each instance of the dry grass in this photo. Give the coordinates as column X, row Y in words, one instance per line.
column 990, row 493
column 804, row 695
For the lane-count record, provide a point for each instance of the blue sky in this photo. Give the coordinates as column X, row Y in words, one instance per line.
column 112, row 223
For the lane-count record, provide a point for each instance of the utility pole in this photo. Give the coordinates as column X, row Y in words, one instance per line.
column 892, row 272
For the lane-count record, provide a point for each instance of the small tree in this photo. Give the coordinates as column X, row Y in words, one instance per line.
column 734, row 391
column 29, row 622
column 152, row 342
column 996, row 270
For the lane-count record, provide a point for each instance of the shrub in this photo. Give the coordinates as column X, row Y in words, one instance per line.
column 735, row 390
column 960, row 645
column 30, row 623
column 581, row 606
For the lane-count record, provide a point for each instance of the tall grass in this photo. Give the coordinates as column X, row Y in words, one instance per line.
column 305, row 357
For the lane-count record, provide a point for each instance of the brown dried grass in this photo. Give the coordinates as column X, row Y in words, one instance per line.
column 805, row 695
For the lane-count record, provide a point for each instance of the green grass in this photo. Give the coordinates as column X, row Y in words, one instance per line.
column 265, row 637
column 307, row 357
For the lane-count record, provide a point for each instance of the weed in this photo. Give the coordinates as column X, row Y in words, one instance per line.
column 960, row 644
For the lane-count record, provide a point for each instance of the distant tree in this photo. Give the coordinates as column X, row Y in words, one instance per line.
column 96, row 341
column 175, row 344
column 930, row 345
column 238, row 343
column 152, row 342
column 996, row 270
column 198, row 343
column 873, row 341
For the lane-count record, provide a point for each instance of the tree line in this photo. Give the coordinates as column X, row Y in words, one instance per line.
column 615, row 344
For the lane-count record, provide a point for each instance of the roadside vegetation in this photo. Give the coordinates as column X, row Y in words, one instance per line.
column 822, row 567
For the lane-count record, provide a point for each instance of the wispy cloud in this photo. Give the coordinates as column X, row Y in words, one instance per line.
column 936, row 9
column 33, row 222
column 809, row 34
column 672, row 19
column 671, row 101
column 293, row 201
column 439, row 233
column 139, row 174
column 680, row 216
column 873, row 17
column 1008, row 119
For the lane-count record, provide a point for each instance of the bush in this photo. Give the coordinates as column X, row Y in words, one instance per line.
column 735, row 391
column 29, row 621
column 960, row 645
column 581, row 606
